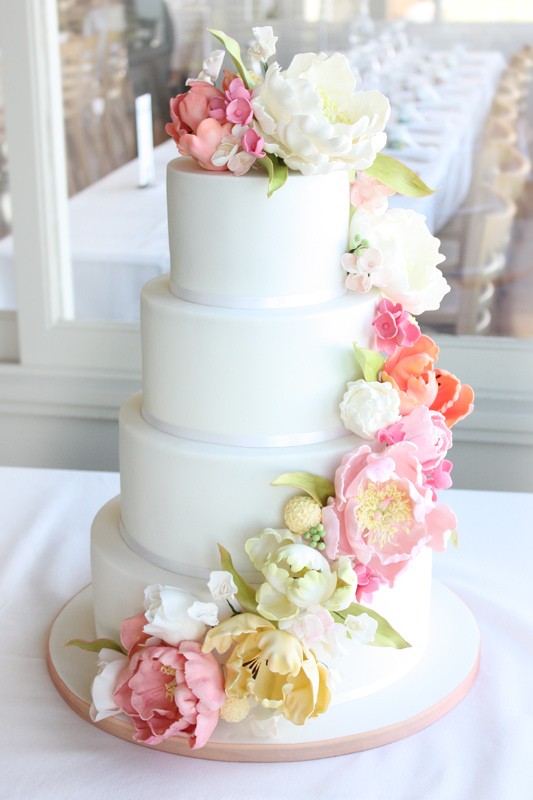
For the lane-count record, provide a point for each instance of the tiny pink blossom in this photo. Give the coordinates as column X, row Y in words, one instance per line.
column 440, row 477
column 363, row 268
column 368, row 582
column 253, row 143
column 239, row 111
column 240, row 163
column 369, row 193
column 236, row 90
column 394, row 327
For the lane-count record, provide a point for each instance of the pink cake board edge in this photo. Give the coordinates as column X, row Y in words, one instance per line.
column 437, row 684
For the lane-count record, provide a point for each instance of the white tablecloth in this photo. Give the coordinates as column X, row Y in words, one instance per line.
column 482, row 749
column 118, row 238
column 446, row 151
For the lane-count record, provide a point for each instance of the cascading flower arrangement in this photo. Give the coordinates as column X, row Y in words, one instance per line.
column 262, row 652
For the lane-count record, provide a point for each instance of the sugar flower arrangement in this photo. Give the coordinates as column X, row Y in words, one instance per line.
column 267, row 651
column 308, row 118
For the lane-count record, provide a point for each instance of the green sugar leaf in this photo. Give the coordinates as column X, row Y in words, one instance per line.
column 277, row 172
column 233, row 49
column 320, row 489
column 245, row 592
column 371, row 363
column 386, row 635
column 398, row 176
column 96, row 645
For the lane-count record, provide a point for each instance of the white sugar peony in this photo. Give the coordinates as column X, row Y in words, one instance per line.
column 167, row 613
column 410, row 254
column 369, row 406
column 311, row 116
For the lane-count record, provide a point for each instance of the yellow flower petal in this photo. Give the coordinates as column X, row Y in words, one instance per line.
column 273, row 604
column 221, row 637
column 282, row 651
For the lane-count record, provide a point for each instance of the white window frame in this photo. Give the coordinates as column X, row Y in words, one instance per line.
column 48, row 344
column 37, row 168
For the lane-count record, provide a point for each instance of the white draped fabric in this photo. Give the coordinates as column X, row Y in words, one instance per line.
column 481, row 749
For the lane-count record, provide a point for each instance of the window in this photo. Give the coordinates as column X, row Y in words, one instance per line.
column 49, row 334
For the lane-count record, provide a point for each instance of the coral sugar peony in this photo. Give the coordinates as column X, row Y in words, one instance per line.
column 171, row 691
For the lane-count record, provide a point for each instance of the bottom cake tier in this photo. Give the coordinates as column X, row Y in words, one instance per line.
column 121, row 575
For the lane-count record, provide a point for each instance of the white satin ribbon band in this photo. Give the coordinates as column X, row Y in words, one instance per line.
column 179, row 568
column 244, row 302
column 207, row 437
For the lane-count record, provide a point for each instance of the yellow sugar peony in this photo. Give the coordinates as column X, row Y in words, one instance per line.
column 271, row 667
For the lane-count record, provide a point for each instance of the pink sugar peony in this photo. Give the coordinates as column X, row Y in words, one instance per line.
column 203, row 145
column 132, row 634
column 424, row 428
column 189, row 109
column 171, row 691
column 394, row 327
column 383, row 513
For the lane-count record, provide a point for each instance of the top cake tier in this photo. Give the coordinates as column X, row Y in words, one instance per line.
column 233, row 246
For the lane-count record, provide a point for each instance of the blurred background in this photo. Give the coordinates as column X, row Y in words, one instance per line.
column 84, row 98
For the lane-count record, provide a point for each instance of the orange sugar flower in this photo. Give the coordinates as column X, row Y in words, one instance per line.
column 411, row 372
column 454, row 400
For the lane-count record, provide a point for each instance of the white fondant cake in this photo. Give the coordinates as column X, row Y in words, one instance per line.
column 230, row 398
column 279, row 469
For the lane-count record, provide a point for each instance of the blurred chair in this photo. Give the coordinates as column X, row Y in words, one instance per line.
column 514, row 169
column 475, row 245
column 119, row 102
column 5, row 196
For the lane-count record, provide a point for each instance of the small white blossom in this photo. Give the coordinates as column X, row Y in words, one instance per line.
column 362, row 628
column 210, row 68
column 263, row 45
column 221, row 585
column 225, row 151
column 204, row 612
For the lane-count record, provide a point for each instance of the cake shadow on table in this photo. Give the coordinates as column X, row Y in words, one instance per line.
column 261, row 588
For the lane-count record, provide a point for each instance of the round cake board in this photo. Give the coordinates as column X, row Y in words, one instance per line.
column 439, row 681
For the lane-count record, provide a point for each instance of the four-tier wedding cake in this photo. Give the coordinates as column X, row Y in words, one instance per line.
column 270, row 551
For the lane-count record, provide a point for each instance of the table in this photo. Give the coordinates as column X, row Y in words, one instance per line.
column 447, row 138
column 119, row 240
column 481, row 749
column 119, row 232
